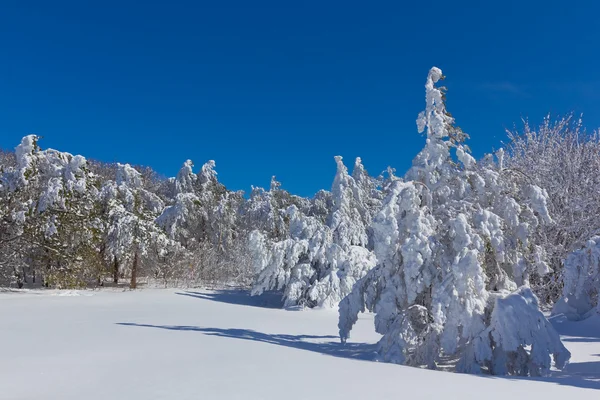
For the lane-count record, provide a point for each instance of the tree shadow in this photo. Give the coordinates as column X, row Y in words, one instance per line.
column 584, row 375
column 577, row 331
column 581, row 339
column 356, row 351
column 239, row 297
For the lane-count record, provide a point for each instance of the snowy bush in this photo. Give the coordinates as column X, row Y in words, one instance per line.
column 518, row 340
column 581, row 281
column 452, row 243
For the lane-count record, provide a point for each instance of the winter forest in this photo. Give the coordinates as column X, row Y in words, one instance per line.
column 460, row 260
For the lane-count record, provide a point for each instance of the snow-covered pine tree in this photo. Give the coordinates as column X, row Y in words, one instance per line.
column 317, row 264
column 369, row 194
column 205, row 218
column 181, row 219
column 219, row 209
column 49, row 219
column 129, row 214
column 452, row 244
column 321, row 205
column 348, row 219
column 266, row 210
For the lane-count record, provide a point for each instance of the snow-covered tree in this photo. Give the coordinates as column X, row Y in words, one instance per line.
column 581, row 288
column 130, row 211
column 7, row 160
column 563, row 158
column 309, row 267
column 181, row 220
column 49, row 215
column 348, row 219
column 368, row 193
column 316, row 264
column 321, row 205
column 185, row 182
column 205, row 218
column 452, row 245
column 266, row 210
column 188, row 218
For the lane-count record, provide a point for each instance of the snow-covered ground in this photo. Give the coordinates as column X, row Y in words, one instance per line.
column 175, row 344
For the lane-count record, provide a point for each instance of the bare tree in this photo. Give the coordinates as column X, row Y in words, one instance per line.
column 564, row 159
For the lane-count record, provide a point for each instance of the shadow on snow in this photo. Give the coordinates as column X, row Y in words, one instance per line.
column 238, row 297
column 585, row 375
column 582, row 374
column 587, row 330
column 356, row 351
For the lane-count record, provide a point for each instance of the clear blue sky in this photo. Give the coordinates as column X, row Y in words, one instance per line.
column 280, row 87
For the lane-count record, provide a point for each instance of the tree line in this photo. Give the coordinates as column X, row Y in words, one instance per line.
column 456, row 258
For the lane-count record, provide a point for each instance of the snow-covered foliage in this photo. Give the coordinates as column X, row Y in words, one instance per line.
column 130, row 230
column 518, row 341
column 564, row 159
column 452, row 257
column 347, row 219
column 452, row 243
column 309, row 266
column 197, row 205
column 266, row 210
column 315, row 261
column 205, row 218
column 181, row 219
column 49, row 219
column 581, row 282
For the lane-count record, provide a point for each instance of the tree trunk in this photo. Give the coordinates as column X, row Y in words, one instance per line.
column 19, row 278
column 133, row 283
column 116, row 271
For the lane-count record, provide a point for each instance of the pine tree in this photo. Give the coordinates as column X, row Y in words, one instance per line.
column 452, row 245
column 320, row 258
column 49, row 226
column 130, row 211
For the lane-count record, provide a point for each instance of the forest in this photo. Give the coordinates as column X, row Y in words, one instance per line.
column 459, row 258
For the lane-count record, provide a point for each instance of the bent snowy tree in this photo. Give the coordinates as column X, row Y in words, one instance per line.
column 318, row 262
column 454, row 257
column 581, row 282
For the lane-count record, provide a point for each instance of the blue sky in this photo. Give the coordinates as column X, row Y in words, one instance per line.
column 280, row 87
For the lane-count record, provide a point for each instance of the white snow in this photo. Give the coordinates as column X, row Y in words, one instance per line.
column 175, row 344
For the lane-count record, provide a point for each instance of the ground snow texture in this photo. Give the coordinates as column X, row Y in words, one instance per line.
column 175, row 344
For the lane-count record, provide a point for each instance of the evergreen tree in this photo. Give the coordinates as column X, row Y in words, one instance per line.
column 452, row 246
column 130, row 211
column 49, row 225
column 317, row 263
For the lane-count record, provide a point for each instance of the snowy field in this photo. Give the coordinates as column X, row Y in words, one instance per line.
column 175, row 344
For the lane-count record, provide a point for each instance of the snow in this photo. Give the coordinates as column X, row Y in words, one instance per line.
column 582, row 280
column 175, row 344
column 316, row 264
